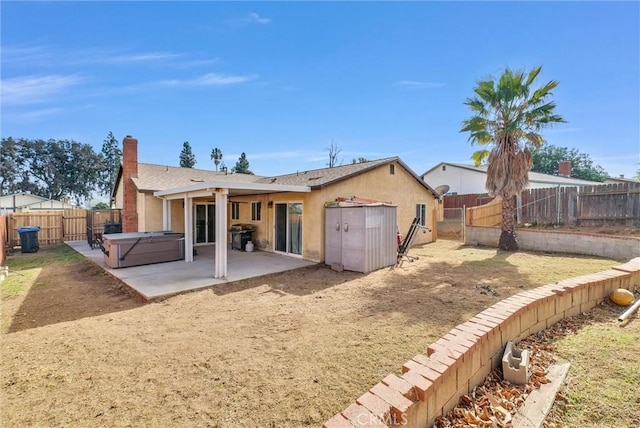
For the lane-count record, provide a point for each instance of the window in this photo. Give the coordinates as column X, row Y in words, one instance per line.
column 235, row 210
column 421, row 213
column 256, row 211
column 392, row 169
column 444, row 167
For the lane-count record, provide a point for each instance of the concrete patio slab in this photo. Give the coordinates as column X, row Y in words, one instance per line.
column 165, row 279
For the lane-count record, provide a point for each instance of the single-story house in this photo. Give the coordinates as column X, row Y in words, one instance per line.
column 25, row 202
column 465, row 179
column 286, row 211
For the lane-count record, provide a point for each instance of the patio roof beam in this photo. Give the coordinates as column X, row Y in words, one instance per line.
column 206, row 189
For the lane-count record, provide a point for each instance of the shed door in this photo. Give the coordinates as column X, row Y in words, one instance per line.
column 353, row 238
column 333, row 236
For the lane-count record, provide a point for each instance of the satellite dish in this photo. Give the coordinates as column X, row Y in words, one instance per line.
column 442, row 189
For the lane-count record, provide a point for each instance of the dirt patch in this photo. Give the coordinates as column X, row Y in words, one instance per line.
column 614, row 230
column 284, row 350
column 64, row 291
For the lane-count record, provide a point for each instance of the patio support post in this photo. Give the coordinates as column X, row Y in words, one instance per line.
column 220, row 267
column 188, row 229
column 166, row 214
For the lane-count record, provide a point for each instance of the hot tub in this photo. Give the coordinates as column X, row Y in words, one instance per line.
column 142, row 248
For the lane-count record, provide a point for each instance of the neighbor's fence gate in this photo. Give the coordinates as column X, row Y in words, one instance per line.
column 452, row 224
column 55, row 226
column 485, row 215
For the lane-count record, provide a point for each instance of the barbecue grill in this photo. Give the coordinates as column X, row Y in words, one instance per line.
column 240, row 235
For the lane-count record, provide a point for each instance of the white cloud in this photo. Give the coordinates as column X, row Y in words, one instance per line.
column 21, row 56
column 137, row 57
column 210, row 79
column 35, row 89
column 254, row 18
column 417, row 84
column 33, row 115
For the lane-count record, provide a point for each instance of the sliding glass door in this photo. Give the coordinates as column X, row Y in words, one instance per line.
column 204, row 223
column 288, row 228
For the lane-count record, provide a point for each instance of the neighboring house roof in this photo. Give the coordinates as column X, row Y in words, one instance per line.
column 25, row 199
column 153, row 178
column 536, row 177
column 320, row 178
column 614, row 180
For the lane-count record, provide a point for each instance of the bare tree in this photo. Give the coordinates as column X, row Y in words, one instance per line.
column 334, row 151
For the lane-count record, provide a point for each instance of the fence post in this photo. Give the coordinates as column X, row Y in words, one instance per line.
column 464, row 224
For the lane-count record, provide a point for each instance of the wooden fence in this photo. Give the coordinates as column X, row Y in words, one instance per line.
column 55, row 226
column 609, row 204
column 551, row 205
column 599, row 205
column 3, row 240
column 485, row 215
column 466, row 201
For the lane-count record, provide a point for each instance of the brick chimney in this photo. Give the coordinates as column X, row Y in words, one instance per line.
column 564, row 169
column 129, row 170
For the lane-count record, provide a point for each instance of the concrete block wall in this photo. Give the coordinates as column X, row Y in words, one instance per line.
column 615, row 247
column 431, row 383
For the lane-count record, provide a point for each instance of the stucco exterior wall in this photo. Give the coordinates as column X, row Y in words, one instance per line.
column 265, row 228
column 150, row 219
column 119, row 202
column 401, row 189
column 177, row 216
column 460, row 181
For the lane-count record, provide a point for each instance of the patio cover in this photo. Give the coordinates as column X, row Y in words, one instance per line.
column 221, row 190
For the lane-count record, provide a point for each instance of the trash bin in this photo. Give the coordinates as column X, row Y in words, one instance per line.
column 29, row 239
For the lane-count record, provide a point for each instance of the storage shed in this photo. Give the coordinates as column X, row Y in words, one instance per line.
column 360, row 236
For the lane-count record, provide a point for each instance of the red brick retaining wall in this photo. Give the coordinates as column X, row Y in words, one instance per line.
column 431, row 383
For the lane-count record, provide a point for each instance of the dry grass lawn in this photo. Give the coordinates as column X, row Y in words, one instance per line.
column 285, row 350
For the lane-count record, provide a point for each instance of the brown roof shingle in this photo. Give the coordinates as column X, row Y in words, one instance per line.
column 160, row 177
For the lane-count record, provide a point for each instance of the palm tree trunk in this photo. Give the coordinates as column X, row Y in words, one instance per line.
column 508, row 236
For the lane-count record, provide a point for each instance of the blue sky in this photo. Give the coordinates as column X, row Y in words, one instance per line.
column 281, row 81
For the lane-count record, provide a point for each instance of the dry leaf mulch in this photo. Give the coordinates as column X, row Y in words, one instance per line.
column 493, row 404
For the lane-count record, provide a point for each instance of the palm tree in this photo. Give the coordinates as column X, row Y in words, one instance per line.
column 508, row 116
column 216, row 156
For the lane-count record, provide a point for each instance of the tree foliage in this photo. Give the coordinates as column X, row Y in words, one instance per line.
column 112, row 156
column 508, row 115
column 187, row 158
column 359, row 160
column 55, row 168
column 216, row 156
column 548, row 157
column 101, row 206
column 9, row 166
column 242, row 166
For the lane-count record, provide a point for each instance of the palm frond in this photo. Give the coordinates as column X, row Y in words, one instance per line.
column 508, row 114
column 479, row 156
column 532, row 75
